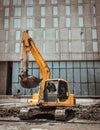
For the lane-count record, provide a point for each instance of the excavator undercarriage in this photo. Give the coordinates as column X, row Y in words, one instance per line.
column 57, row 113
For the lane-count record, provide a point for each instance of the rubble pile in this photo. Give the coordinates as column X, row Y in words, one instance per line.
column 5, row 112
column 88, row 112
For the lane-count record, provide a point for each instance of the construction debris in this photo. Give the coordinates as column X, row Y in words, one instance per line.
column 88, row 112
column 5, row 112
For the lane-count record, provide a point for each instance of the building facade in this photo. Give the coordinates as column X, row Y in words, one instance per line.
column 67, row 34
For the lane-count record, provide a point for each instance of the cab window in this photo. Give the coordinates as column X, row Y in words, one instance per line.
column 63, row 91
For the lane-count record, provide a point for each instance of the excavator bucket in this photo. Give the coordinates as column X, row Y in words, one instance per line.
column 28, row 81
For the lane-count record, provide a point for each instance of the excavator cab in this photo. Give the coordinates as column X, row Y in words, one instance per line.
column 54, row 90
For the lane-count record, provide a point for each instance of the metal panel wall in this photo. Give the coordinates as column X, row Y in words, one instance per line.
column 83, row 77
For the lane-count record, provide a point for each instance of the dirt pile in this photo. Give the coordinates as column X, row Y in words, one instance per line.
column 88, row 112
column 5, row 112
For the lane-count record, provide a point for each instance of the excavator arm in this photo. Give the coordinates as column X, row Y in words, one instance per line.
column 26, row 80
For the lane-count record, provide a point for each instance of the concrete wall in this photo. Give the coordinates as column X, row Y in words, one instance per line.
column 55, row 39
column 3, row 78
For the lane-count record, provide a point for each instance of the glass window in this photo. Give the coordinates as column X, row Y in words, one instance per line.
column 67, row 22
column 43, row 34
column 70, row 47
column 69, row 34
column 29, row 23
column 91, row 75
column 70, row 75
column 94, row 9
column 84, row 88
column 6, row 11
column 6, row 35
column 57, row 35
column 41, row 1
column 80, row 10
column 91, row 88
column 44, row 47
column 63, row 65
column 31, row 34
column 17, row 23
column 98, row 89
column 55, row 64
column 69, row 65
column 6, row 2
column 83, row 75
column 43, row 12
column 67, row 10
column 16, row 2
column 6, row 47
column 77, row 90
column 97, row 64
column 80, row 1
column 94, row 21
column 29, row 11
column 63, row 73
column 76, row 75
column 27, row 2
column 17, row 47
column 81, row 21
column 18, row 34
column 49, row 64
column 94, row 33
column 43, row 22
column 55, row 10
column 76, row 65
column 17, row 11
column 54, row 1
column 97, row 75
column 6, row 23
column 83, row 46
column 95, row 46
column 55, row 73
column 83, row 65
column 57, row 47
column 55, row 22
column 90, row 64
column 82, row 35
column 68, row 1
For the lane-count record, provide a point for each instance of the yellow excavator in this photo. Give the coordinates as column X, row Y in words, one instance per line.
column 53, row 96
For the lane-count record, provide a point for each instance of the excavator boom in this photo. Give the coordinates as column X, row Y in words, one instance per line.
column 26, row 80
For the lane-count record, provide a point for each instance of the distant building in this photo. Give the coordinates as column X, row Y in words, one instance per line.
column 67, row 33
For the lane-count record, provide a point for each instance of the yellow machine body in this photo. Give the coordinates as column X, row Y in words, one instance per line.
column 40, row 96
